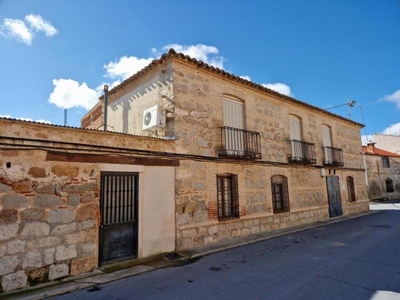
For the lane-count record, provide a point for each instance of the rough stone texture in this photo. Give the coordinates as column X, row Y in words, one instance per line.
column 16, row 246
column 61, row 216
column 15, row 173
column 80, row 188
column 86, row 225
column 87, row 197
column 65, row 170
column 8, row 231
column 14, row 281
column 24, row 186
column 33, row 259
column 32, row 214
column 35, row 229
column 58, row 271
column 4, row 188
column 74, row 199
column 65, row 252
column 45, row 200
column 37, row 172
column 88, row 249
column 83, row 265
column 46, row 189
column 3, row 250
column 86, row 212
column 49, row 256
column 50, row 241
column 15, row 201
column 8, row 264
column 38, row 276
column 64, row 229
column 8, row 216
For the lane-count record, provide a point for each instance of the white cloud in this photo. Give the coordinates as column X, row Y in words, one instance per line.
column 39, row 24
column 25, row 31
column 26, row 119
column 393, row 129
column 69, row 93
column 395, row 97
column 366, row 138
column 17, row 29
column 126, row 66
column 207, row 54
column 279, row 87
column 246, row 77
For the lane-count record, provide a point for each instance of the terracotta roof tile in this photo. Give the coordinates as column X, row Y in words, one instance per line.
column 379, row 152
column 201, row 64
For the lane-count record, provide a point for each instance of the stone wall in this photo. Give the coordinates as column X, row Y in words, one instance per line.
column 377, row 176
column 196, row 200
column 48, row 219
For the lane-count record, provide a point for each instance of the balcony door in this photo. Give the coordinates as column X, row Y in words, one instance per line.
column 327, row 141
column 295, row 138
column 234, row 117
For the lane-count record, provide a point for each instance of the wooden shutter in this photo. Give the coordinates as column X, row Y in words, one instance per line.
column 295, row 128
column 327, row 136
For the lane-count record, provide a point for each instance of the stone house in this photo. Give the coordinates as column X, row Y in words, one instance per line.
column 192, row 155
column 382, row 172
column 389, row 142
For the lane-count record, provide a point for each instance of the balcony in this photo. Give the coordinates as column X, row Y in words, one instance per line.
column 303, row 152
column 239, row 143
column 333, row 156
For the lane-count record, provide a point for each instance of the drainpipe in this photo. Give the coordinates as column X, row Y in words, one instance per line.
column 366, row 173
column 65, row 117
column 105, row 90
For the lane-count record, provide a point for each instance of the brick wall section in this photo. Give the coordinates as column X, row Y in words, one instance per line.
column 94, row 118
column 48, row 219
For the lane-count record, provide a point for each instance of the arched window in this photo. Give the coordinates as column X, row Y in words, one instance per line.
column 350, row 189
column 280, row 194
column 389, row 185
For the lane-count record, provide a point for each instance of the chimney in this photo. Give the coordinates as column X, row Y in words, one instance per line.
column 371, row 146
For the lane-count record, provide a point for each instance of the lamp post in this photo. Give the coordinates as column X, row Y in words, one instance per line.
column 349, row 103
column 105, row 90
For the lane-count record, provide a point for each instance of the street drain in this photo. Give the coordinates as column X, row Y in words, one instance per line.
column 172, row 256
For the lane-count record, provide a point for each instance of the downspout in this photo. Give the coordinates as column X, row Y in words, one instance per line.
column 366, row 173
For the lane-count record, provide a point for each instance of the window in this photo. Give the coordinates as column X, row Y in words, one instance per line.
column 385, row 162
column 389, row 185
column 228, row 197
column 295, row 138
column 280, row 194
column 350, row 189
column 234, row 118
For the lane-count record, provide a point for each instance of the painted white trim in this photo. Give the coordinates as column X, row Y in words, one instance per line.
column 121, row 168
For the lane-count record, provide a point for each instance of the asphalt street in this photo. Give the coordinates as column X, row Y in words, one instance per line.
column 353, row 259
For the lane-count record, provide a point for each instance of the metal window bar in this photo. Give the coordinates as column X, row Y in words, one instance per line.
column 228, row 197
column 333, row 156
column 280, row 194
column 118, row 192
column 389, row 185
column 303, row 152
column 385, row 162
column 350, row 189
column 240, row 143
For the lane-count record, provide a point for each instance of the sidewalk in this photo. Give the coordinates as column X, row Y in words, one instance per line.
column 139, row 266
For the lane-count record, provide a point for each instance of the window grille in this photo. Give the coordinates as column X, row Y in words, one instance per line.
column 385, row 162
column 350, row 189
column 280, row 194
column 228, row 197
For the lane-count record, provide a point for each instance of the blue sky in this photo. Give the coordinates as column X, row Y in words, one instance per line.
column 58, row 54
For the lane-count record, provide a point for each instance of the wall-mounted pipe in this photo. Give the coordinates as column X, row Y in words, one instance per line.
column 105, row 90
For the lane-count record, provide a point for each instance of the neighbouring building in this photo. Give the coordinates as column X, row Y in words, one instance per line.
column 192, row 155
column 382, row 172
column 389, row 142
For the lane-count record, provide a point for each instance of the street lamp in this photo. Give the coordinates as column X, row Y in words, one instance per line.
column 348, row 103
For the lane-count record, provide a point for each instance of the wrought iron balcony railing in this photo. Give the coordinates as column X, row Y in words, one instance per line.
column 333, row 156
column 239, row 143
column 303, row 152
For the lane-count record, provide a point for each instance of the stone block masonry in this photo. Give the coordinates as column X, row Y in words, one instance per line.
column 48, row 219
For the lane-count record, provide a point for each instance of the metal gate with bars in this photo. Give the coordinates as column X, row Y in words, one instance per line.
column 119, row 217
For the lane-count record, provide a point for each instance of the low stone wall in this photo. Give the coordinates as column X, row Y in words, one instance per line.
column 48, row 219
column 194, row 236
